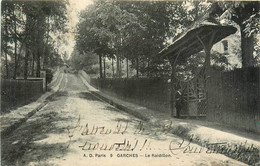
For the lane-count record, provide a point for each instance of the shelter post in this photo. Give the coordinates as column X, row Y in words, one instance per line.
column 173, row 91
column 207, row 48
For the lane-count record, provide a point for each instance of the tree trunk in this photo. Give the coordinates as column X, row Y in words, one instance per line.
column 247, row 48
column 100, row 66
column 44, row 58
column 144, row 66
column 127, row 67
column 120, row 68
column 26, row 64
column 6, row 65
column 113, row 70
column 38, row 63
column 6, row 50
column 46, row 46
column 18, row 58
column 117, row 67
column 33, row 60
column 15, row 45
column 40, row 35
column 148, row 66
column 104, row 61
column 137, row 67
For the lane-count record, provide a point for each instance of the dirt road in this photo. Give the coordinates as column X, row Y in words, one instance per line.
column 76, row 129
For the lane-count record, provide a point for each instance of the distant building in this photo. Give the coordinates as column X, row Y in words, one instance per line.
column 231, row 45
column 231, row 48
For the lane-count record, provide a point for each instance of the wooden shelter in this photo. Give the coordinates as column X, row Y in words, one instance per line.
column 197, row 39
column 202, row 36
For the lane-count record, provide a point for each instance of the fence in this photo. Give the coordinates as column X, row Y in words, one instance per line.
column 17, row 92
column 234, row 98
column 152, row 93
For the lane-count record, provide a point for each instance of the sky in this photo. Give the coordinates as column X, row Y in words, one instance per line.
column 73, row 13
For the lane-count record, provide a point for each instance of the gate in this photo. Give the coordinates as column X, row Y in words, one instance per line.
column 195, row 96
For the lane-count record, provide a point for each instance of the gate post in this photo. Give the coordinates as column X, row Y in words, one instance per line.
column 43, row 76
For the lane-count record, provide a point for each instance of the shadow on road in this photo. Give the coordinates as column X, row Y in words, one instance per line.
column 22, row 146
column 88, row 96
column 55, row 96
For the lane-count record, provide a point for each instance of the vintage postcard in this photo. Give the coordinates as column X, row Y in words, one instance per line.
column 138, row 83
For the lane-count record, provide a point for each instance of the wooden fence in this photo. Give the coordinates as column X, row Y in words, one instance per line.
column 234, row 98
column 152, row 93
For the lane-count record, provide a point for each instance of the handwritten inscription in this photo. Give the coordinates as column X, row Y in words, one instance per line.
column 120, row 128
column 125, row 145
column 209, row 148
column 95, row 129
column 130, row 145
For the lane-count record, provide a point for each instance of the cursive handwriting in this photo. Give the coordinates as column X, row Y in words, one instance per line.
column 120, row 128
column 175, row 147
column 140, row 129
column 218, row 147
column 125, row 145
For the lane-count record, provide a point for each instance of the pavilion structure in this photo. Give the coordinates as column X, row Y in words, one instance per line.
column 201, row 36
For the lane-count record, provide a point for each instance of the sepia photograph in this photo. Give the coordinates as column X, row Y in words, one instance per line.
column 130, row 83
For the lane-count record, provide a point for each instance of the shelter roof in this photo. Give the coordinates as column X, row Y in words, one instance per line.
column 188, row 42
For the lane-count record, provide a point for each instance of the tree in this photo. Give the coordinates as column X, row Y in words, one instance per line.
column 246, row 15
column 146, row 37
column 26, row 33
column 135, row 31
column 100, row 30
column 84, row 61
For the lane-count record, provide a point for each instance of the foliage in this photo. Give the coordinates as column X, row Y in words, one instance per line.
column 137, row 31
column 246, row 15
column 132, row 30
column 99, row 27
column 84, row 61
column 30, row 33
